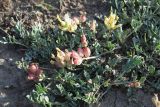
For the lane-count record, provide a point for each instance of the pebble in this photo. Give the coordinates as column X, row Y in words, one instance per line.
column 2, row 61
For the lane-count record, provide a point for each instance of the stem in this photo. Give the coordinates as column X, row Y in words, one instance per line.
column 94, row 57
column 119, row 83
column 45, row 68
column 17, row 43
column 120, row 76
column 100, row 97
column 49, row 85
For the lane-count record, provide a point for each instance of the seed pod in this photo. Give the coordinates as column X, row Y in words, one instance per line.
column 80, row 52
column 83, row 18
column 83, row 38
column 39, row 72
column 86, row 52
column 84, row 41
column 77, row 61
column 76, row 20
column 74, row 55
column 31, row 77
column 33, row 67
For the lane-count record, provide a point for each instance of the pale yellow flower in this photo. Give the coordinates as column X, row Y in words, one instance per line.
column 59, row 59
column 62, row 58
column 60, row 54
column 111, row 21
column 67, row 24
column 155, row 100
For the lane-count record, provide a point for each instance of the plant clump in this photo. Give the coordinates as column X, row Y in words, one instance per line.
column 79, row 59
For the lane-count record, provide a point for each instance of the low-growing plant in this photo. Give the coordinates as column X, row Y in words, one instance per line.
column 90, row 56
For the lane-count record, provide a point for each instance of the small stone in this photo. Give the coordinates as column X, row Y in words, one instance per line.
column 10, row 61
column 2, row 95
column 2, row 61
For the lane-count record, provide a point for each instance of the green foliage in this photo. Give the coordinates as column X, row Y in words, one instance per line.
column 39, row 95
column 132, row 63
column 39, row 44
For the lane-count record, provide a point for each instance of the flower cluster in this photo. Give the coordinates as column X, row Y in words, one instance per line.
column 34, row 72
column 85, row 50
column 110, row 22
column 71, row 58
column 70, row 24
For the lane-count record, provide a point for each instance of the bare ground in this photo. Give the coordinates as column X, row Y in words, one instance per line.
column 118, row 98
column 13, row 83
